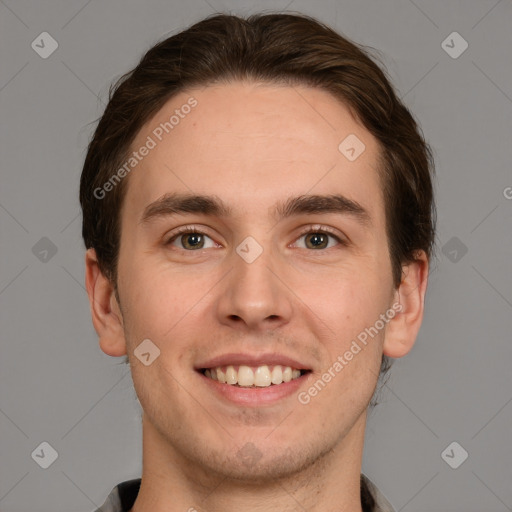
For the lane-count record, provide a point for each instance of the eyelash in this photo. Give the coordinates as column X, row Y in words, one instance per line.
column 311, row 229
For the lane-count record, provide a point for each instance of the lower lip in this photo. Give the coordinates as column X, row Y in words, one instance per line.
column 255, row 396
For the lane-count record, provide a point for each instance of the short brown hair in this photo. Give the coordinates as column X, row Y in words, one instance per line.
column 274, row 48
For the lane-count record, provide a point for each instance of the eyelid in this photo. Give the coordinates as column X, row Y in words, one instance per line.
column 314, row 228
column 320, row 228
column 189, row 228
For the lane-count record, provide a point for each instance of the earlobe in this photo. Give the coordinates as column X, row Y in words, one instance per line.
column 105, row 312
column 402, row 330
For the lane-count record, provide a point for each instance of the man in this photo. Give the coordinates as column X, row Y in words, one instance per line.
column 258, row 216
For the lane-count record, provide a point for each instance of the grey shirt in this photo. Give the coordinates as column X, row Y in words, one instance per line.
column 123, row 496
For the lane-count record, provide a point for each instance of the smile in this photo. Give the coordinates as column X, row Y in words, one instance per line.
column 253, row 376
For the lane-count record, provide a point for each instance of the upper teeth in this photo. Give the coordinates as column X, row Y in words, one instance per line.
column 262, row 376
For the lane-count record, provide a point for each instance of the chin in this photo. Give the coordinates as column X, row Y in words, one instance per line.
column 252, row 466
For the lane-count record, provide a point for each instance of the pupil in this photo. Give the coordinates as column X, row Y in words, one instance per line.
column 192, row 240
column 317, row 239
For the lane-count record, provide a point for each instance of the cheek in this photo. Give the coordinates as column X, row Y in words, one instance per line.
column 166, row 307
column 149, row 304
column 352, row 310
column 354, row 353
column 353, row 298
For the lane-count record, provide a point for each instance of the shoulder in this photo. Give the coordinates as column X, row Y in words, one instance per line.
column 122, row 497
column 372, row 498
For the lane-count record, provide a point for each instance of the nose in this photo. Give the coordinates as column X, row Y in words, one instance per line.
column 254, row 296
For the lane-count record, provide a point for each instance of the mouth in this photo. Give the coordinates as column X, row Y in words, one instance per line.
column 253, row 380
column 245, row 376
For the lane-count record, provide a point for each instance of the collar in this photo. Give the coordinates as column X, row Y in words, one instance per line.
column 123, row 496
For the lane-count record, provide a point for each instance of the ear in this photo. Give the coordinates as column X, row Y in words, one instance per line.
column 105, row 311
column 402, row 330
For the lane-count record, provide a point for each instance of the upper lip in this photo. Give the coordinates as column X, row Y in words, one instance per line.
column 252, row 360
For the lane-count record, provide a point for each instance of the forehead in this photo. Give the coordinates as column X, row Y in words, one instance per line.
column 254, row 144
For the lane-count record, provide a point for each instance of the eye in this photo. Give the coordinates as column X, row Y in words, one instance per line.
column 320, row 238
column 190, row 239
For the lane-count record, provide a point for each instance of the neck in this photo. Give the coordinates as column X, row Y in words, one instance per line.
column 330, row 483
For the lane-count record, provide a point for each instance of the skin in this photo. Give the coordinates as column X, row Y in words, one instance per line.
column 254, row 145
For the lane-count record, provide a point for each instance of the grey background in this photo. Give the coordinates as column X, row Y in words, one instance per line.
column 57, row 386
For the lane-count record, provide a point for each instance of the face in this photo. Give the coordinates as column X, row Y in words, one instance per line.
column 252, row 281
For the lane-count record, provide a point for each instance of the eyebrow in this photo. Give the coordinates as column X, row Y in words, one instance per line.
column 180, row 203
